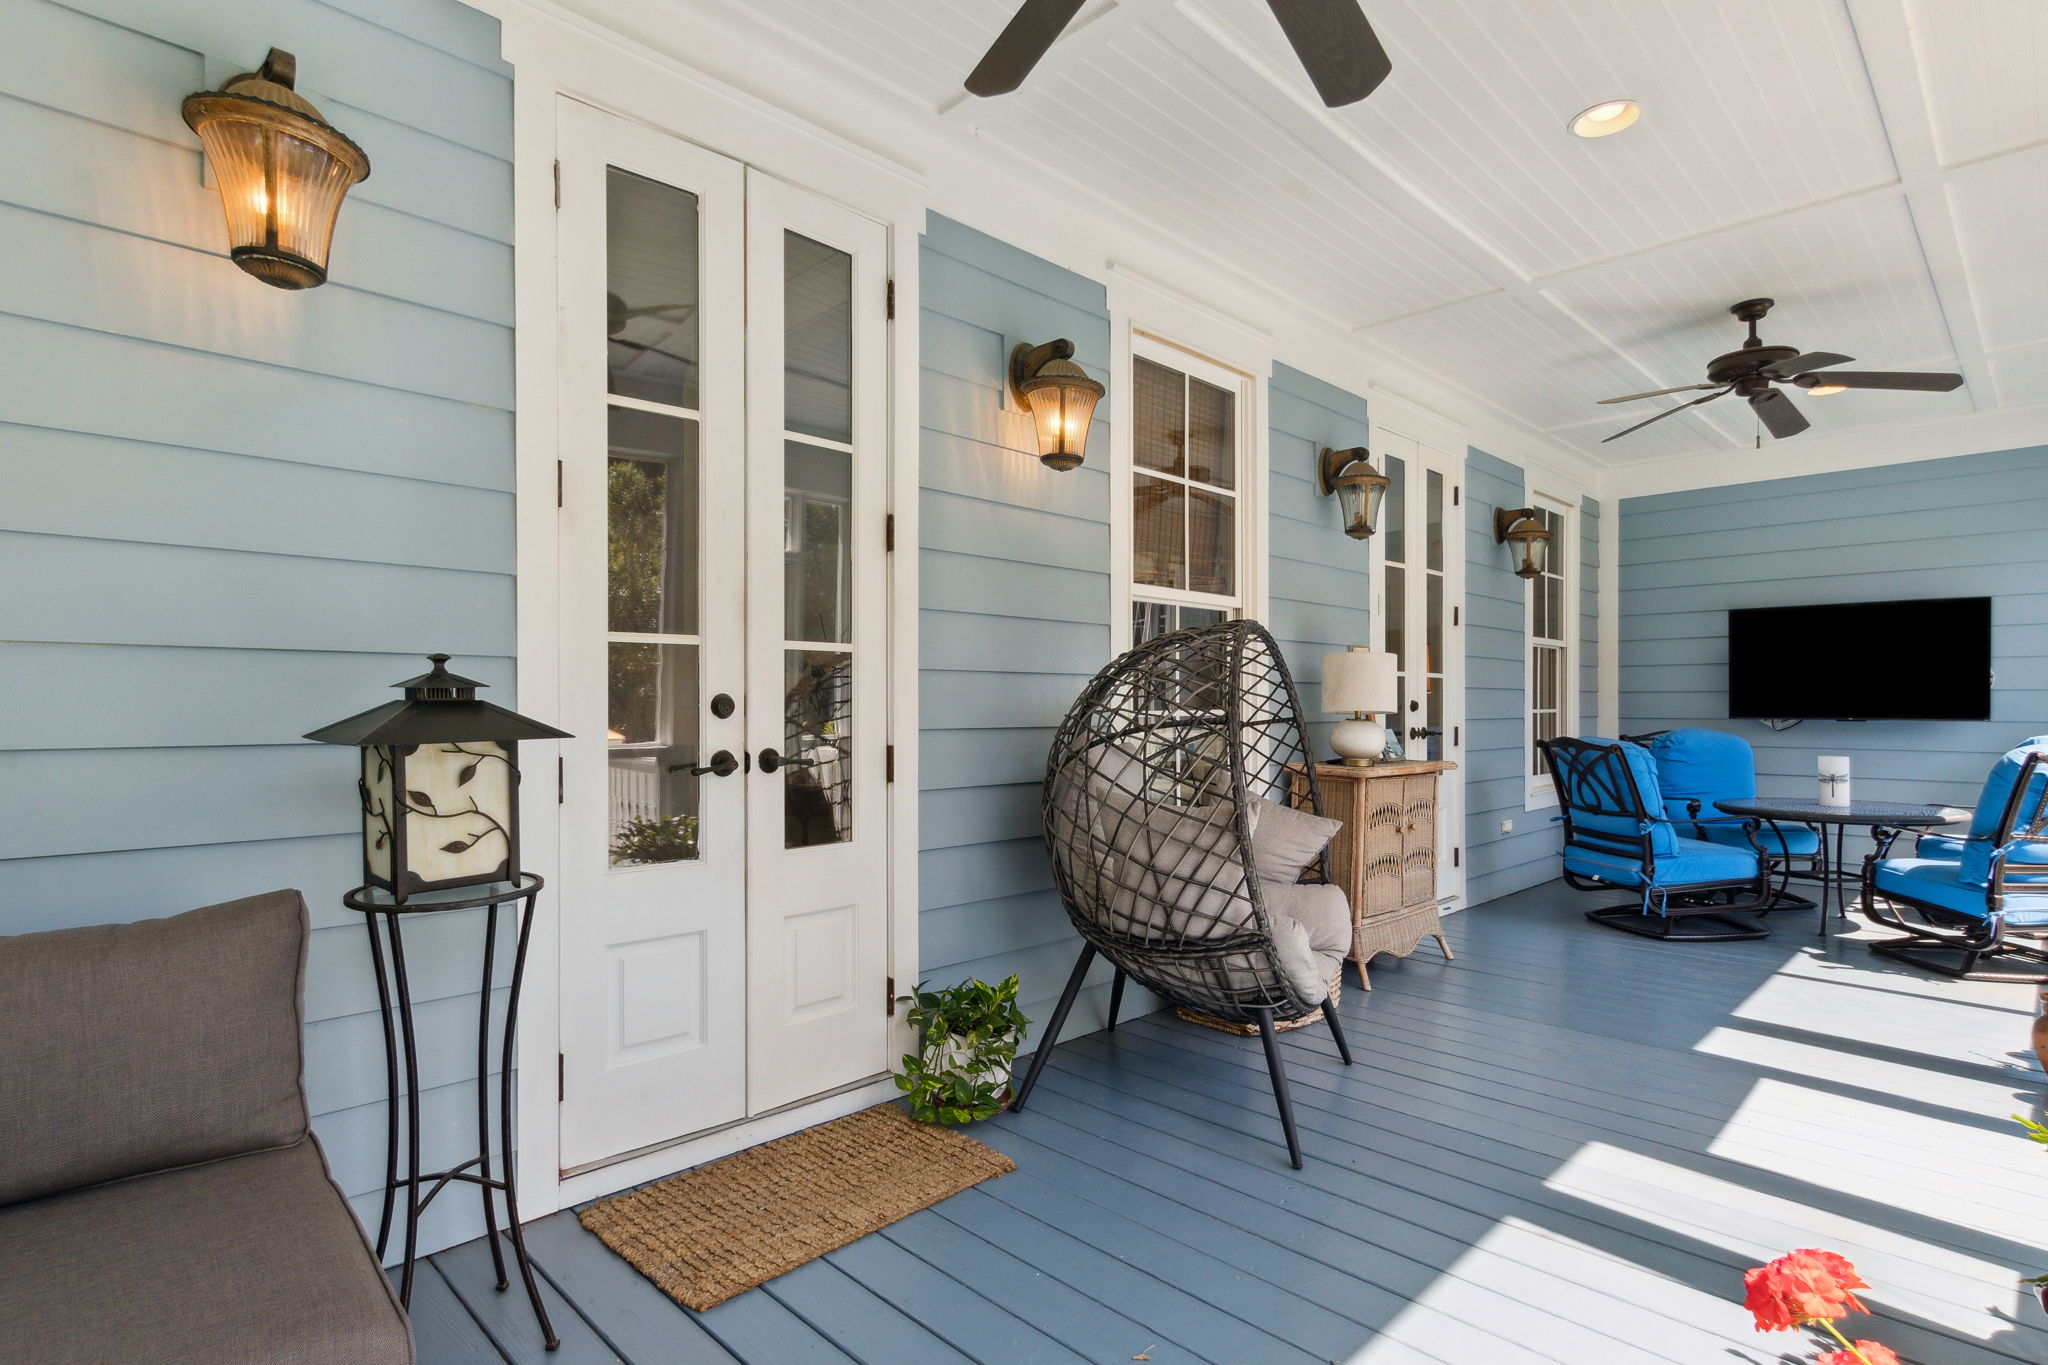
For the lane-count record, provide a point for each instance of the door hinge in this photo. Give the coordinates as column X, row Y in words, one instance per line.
column 889, row 764
column 1454, row 495
column 892, row 997
column 561, row 1078
column 558, row 483
column 1455, row 857
column 561, row 780
column 1455, row 741
column 1454, row 616
column 558, row 182
column 889, row 533
column 892, row 300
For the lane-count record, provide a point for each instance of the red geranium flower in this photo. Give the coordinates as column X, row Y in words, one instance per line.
column 1800, row 1287
column 1873, row 1354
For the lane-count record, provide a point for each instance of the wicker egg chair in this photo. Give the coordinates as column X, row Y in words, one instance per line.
column 1187, row 842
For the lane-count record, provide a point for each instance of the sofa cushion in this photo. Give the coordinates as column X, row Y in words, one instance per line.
column 252, row 1260
column 1286, row 840
column 139, row 1047
column 1945, row 885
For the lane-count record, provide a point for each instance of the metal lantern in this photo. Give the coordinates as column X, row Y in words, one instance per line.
column 1060, row 397
column 440, row 784
column 1524, row 531
column 1357, row 486
column 282, row 169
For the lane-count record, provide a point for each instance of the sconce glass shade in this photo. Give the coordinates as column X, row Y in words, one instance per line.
column 440, row 784
column 1527, row 538
column 282, row 168
column 1357, row 486
column 1060, row 397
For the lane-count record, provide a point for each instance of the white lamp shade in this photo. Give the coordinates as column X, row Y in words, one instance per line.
column 1361, row 682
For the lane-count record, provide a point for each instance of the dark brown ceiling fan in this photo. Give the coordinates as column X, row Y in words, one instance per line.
column 1752, row 370
column 1331, row 37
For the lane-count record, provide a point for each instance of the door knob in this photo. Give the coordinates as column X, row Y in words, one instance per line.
column 1421, row 732
column 722, row 764
column 772, row 759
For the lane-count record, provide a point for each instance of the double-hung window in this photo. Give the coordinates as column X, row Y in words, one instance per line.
column 1188, row 482
column 1552, row 697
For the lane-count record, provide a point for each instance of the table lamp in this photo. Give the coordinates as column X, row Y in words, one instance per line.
column 1365, row 683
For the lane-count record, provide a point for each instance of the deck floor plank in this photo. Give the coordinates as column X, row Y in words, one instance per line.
column 1561, row 1148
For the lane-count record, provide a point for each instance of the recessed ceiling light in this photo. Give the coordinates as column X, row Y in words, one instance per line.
column 1606, row 118
column 1823, row 390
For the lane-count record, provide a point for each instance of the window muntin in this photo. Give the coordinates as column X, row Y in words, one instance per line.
column 1550, row 696
column 1187, row 523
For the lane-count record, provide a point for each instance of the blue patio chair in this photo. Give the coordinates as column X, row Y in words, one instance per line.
column 1949, row 847
column 1957, row 912
column 1617, row 834
column 1697, row 767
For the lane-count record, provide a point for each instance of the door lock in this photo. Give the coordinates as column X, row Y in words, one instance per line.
column 772, row 759
column 722, row 764
column 1422, row 732
column 722, row 706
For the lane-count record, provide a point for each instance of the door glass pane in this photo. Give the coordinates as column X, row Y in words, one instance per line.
column 1433, row 499
column 1434, row 751
column 1212, row 543
column 1394, row 514
column 1433, row 621
column 651, row 510
column 650, row 289
column 1158, row 435
column 1158, row 533
column 651, row 746
column 1397, row 614
column 817, row 357
column 817, row 745
column 817, row 543
column 1212, row 434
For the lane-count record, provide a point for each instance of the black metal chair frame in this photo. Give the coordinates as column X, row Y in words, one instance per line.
column 1690, row 912
column 1933, row 933
column 1183, row 724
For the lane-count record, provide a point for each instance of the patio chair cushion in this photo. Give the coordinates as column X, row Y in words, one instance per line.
column 1286, row 840
column 1991, row 804
column 1695, row 764
column 1625, row 828
column 1311, row 932
column 1948, row 848
column 140, row 1047
column 252, row 1260
column 1174, row 870
column 1939, row 883
column 1690, row 862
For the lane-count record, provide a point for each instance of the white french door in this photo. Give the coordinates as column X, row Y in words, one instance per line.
column 1421, row 620
column 723, row 869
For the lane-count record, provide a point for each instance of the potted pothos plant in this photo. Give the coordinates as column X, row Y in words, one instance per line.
column 967, row 1038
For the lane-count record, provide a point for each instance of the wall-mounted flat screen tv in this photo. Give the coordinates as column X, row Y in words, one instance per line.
column 1925, row 659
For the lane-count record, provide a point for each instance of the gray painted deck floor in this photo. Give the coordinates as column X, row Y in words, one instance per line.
column 1564, row 1147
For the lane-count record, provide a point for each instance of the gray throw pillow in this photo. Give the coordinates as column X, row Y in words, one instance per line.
column 1286, row 840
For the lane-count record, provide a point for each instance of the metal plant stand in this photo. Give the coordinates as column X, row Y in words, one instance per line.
column 1831, row 878
column 382, row 917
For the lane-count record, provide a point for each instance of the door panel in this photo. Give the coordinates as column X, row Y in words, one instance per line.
column 817, row 637
column 653, row 876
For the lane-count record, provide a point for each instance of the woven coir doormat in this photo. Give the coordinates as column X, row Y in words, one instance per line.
column 708, row 1234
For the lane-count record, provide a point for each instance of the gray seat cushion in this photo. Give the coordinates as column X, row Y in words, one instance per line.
column 1311, row 933
column 140, row 1047
column 253, row 1260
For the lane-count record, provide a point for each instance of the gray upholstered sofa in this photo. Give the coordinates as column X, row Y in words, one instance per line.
column 162, row 1198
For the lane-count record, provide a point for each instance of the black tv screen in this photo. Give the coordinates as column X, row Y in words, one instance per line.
column 1926, row 659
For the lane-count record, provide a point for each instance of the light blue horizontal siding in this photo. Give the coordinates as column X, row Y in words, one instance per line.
column 1962, row 527
column 1015, row 612
column 231, row 513
column 1319, row 584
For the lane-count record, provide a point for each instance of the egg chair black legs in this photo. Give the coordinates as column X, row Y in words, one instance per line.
column 1278, row 1069
column 1054, row 1024
column 1116, row 997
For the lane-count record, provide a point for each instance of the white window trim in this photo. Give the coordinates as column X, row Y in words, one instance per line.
column 1540, row 793
column 1131, row 342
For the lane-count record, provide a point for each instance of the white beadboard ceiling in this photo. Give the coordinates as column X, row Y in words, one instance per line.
column 1879, row 167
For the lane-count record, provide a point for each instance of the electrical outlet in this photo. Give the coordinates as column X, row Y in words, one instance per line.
column 1507, row 827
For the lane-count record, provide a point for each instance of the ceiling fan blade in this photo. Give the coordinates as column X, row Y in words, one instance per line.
column 1662, row 415
column 1926, row 381
column 1342, row 54
column 1031, row 32
column 1658, row 393
column 1781, row 418
column 1800, row 364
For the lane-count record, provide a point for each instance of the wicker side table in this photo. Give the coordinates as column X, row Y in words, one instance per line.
column 1385, row 856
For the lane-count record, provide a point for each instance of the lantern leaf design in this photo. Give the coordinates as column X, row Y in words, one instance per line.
column 283, row 171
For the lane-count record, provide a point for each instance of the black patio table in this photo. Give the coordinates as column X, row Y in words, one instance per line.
column 1830, row 874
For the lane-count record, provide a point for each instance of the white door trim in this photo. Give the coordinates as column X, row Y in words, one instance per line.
column 555, row 59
